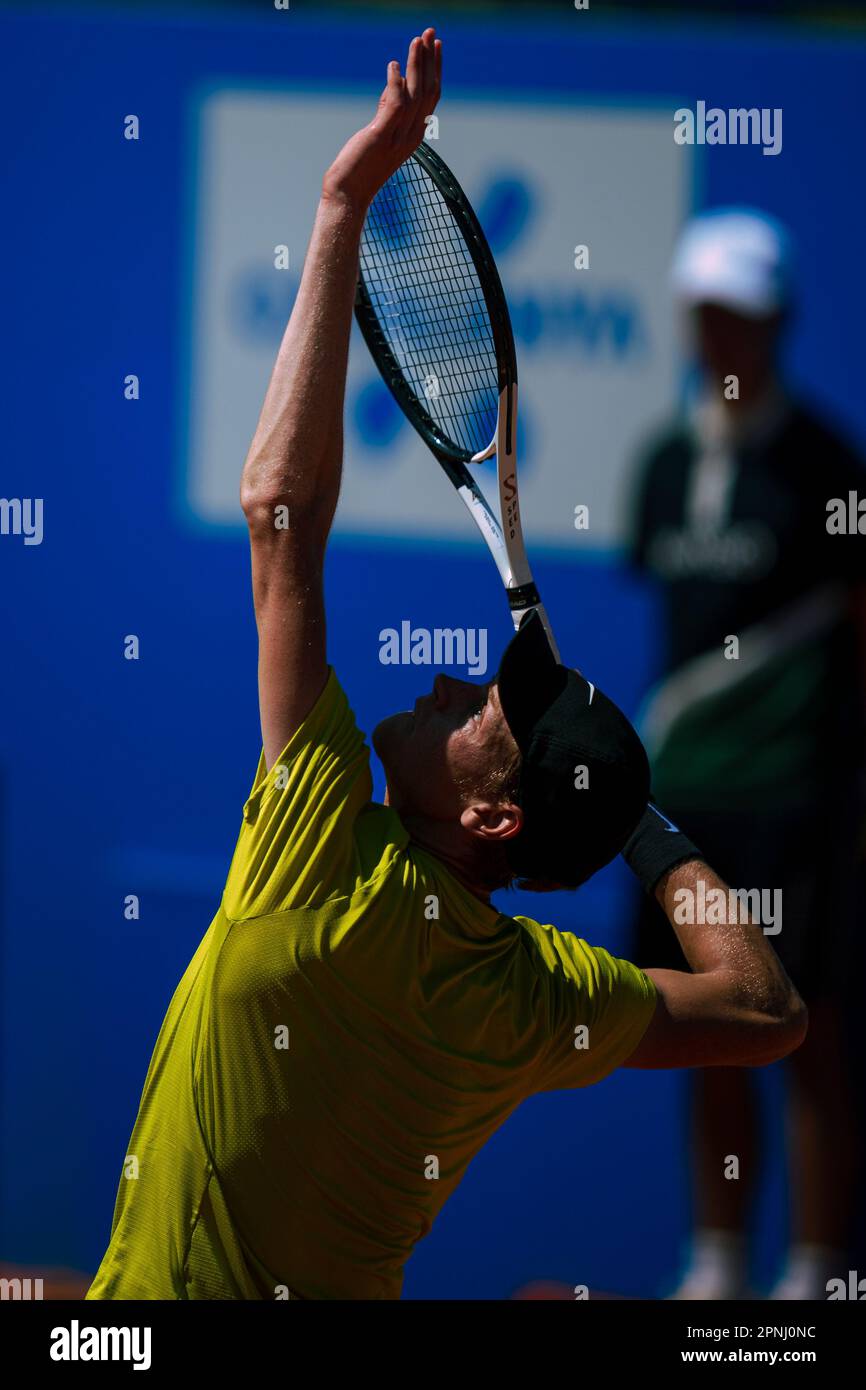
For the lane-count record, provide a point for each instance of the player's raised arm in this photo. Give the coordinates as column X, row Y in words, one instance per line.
column 291, row 478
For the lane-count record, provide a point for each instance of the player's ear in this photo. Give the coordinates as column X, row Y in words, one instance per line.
column 493, row 821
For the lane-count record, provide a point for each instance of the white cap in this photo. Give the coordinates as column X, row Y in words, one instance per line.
column 734, row 257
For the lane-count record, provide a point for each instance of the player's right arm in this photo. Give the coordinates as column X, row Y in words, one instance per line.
column 291, row 478
column 738, row 1007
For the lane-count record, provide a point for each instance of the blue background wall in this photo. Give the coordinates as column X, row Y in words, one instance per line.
column 122, row 777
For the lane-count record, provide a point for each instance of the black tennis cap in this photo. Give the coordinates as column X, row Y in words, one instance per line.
column 575, row 821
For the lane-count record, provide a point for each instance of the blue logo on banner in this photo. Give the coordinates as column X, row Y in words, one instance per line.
column 504, row 211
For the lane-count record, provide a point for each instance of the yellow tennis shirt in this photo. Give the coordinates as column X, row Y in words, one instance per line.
column 353, row 1027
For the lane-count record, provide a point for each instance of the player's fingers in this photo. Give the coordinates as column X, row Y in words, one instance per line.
column 393, row 93
column 393, row 97
column 428, row 94
column 428, row 65
column 437, row 50
column 414, row 75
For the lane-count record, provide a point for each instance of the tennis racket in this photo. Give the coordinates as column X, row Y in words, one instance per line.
column 432, row 311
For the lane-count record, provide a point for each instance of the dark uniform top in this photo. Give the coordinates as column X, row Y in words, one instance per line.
column 756, row 730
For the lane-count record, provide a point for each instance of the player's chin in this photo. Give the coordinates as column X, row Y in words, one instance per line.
column 391, row 734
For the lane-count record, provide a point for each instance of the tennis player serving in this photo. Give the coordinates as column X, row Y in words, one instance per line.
column 358, row 1019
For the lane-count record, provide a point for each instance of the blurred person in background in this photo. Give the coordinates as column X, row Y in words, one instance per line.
column 757, row 743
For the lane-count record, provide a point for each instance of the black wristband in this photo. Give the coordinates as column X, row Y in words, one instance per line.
column 656, row 846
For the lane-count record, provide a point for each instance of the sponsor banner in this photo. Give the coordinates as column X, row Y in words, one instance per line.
column 597, row 356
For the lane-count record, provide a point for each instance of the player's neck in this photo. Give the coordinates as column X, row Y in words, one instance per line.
column 447, row 843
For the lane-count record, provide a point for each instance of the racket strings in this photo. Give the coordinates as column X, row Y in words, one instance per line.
column 425, row 292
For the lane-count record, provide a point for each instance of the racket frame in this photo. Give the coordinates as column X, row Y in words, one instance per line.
column 504, row 541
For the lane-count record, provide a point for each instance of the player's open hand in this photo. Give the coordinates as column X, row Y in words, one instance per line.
column 370, row 158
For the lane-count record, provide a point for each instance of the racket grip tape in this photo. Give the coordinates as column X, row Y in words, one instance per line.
column 524, row 596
